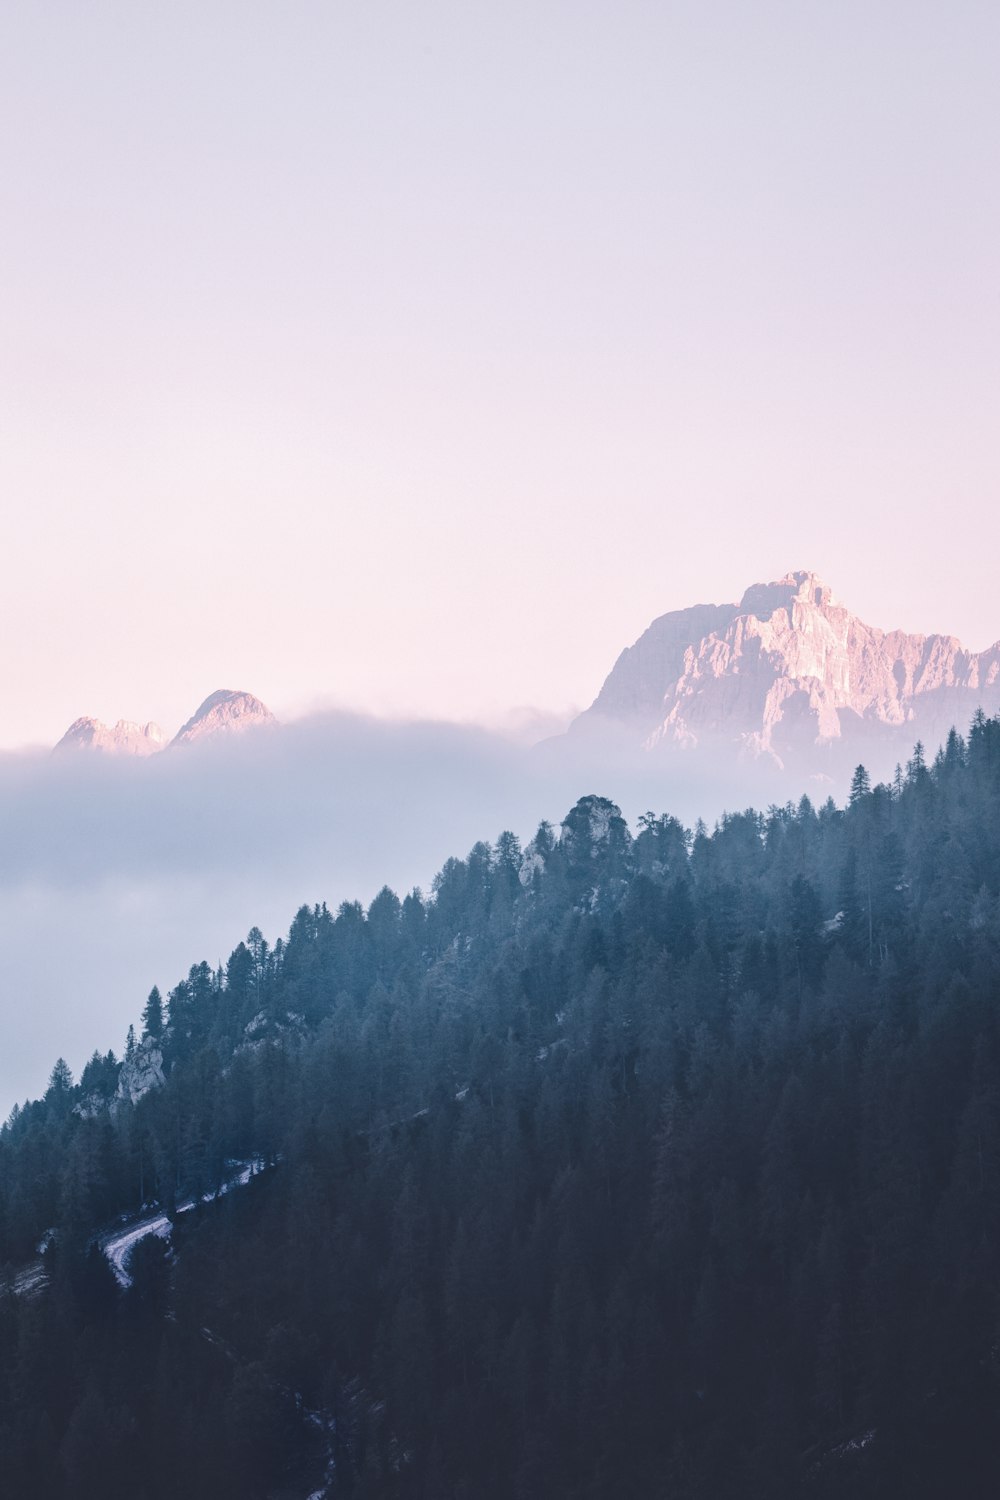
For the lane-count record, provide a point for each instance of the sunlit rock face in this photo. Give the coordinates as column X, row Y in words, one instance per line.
column 225, row 712
column 789, row 672
column 124, row 738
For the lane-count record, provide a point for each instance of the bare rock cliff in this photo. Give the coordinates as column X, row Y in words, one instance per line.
column 788, row 671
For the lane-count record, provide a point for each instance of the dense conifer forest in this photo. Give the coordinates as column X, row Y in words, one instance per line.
column 652, row 1165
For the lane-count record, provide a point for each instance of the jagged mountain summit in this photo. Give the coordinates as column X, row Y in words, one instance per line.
column 790, row 674
column 125, row 738
column 223, row 712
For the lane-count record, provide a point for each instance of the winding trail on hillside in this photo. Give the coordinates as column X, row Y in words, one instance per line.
column 118, row 1243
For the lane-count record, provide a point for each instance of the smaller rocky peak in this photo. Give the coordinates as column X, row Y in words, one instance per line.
column 225, row 712
column 83, row 734
column 126, row 738
column 762, row 599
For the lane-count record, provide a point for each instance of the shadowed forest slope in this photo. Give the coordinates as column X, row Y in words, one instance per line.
column 652, row 1165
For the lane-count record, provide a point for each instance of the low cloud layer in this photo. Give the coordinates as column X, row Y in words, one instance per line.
column 116, row 874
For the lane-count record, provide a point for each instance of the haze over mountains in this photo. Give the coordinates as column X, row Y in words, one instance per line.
column 788, row 679
column 151, row 857
column 223, row 712
column 790, row 675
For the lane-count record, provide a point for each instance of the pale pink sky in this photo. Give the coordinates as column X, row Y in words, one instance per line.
column 414, row 356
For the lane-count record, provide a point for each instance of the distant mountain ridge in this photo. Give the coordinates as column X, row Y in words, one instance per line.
column 124, row 738
column 788, row 677
column 223, row 712
column 789, row 673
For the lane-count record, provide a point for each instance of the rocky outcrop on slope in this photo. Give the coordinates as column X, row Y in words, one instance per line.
column 141, row 1071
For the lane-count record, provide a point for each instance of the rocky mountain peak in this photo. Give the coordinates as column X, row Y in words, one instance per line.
column 762, row 599
column 791, row 674
column 125, row 738
column 223, row 712
column 226, row 711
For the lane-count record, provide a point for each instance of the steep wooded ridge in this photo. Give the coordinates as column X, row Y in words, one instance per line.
column 791, row 674
column 621, row 1165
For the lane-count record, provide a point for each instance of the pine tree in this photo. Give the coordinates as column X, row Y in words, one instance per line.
column 152, row 1015
column 860, row 786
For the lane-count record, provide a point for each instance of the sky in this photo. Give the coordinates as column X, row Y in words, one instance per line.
column 412, row 357
column 401, row 362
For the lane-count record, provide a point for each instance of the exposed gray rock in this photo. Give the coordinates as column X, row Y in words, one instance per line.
column 90, row 1106
column 140, row 1073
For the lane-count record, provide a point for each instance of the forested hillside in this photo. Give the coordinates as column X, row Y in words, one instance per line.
column 663, row 1164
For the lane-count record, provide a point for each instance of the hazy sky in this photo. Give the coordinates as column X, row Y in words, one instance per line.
column 413, row 356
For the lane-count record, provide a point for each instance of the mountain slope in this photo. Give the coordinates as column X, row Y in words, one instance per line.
column 623, row 1165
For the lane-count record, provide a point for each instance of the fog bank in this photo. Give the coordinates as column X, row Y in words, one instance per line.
column 117, row 874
